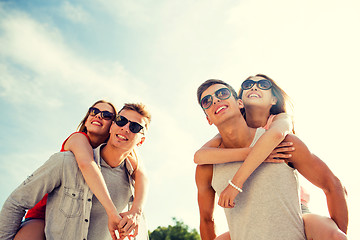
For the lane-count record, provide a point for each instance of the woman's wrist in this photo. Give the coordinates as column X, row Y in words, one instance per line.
column 136, row 209
column 112, row 211
column 235, row 186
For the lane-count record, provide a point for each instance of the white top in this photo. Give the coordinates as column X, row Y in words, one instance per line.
column 269, row 206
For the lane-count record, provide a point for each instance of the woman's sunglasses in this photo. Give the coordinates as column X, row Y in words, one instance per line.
column 222, row 94
column 122, row 121
column 262, row 84
column 93, row 111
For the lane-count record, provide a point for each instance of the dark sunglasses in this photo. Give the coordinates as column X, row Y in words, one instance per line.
column 93, row 111
column 262, row 84
column 122, row 121
column 222, row 94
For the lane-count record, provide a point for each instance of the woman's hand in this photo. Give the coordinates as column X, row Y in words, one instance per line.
column 227, row 197
column 113, row 224
column 129, row 223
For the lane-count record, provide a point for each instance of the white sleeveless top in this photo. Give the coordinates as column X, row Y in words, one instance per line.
column 269, row 206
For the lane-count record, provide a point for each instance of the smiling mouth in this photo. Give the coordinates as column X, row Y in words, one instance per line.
column 96, row 123
column 220, row 108
column 121, row 137
column 253, row 95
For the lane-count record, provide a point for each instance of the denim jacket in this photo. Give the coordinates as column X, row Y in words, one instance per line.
column 69, row 200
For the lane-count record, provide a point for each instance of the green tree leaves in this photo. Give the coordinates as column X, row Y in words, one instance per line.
column 179, row 231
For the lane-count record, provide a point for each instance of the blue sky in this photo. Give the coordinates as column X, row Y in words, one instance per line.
column 58, row 57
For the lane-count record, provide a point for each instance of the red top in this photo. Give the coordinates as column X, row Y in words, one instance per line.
column 38, row 211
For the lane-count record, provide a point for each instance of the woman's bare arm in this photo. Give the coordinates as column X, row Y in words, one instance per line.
column 280, row 127
column 79, row 145
column 211, row 154
column 131, row 218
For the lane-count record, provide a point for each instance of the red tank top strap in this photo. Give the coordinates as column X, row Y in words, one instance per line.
column 62, row 146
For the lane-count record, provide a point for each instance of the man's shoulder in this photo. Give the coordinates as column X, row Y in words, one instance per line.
column 66, row 157
column 66, row 154
column 294, row 139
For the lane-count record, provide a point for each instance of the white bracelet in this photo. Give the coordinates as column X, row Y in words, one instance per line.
column 234, row 186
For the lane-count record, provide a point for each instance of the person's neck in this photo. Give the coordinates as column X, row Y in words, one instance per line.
column 96, row 140
column 257, row 117
column 235, row 133
column 113, row 156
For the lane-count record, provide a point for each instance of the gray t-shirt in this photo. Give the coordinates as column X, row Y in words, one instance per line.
column 117, row 182
column 269, row 206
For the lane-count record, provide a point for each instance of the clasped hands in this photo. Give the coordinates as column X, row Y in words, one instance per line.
column 124, row 223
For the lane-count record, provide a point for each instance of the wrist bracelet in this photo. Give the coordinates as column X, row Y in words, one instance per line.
column 234, row 186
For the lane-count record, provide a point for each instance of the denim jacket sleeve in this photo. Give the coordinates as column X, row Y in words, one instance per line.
column 44, row 180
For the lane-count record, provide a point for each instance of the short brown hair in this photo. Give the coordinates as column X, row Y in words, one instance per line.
column 139, row 108
column 81, row 127
column 205, row 85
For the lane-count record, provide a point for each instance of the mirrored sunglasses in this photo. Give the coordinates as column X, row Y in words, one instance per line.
column 222, row 94
column 263, row 84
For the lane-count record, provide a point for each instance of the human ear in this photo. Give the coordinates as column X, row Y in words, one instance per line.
column 240, row 103
column 274, row 100
column 209, row 121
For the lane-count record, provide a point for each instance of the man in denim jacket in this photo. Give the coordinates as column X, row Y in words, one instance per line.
column 71, row 211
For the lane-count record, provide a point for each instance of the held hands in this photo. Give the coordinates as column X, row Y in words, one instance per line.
column 129, row 222
column 282, row 153
column 113, row 223
column 121, row 225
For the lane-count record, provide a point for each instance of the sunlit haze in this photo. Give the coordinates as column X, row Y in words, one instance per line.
column 58, row 57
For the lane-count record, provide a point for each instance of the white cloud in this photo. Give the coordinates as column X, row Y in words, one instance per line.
column 48, row 65
column 75, row 13
column 310, row 48
column 34, row 45
column 129, row 13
